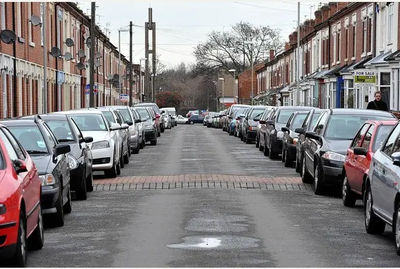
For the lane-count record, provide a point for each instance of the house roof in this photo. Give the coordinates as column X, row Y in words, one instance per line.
column 393, row 56
column 380, row 59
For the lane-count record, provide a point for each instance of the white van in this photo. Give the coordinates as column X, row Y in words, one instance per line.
column 172, row 112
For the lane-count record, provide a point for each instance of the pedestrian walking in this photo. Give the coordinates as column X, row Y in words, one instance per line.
column 378, row 104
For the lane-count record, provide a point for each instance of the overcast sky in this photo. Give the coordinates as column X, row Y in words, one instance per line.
column 182, row 24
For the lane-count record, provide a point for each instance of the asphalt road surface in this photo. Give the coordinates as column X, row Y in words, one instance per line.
column 202, row 198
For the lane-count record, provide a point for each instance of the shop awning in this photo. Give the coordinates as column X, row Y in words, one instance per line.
column 380, row 59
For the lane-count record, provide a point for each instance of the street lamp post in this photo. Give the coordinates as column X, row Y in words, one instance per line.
column 119, row 64
column 223, row 92
column 234, row 82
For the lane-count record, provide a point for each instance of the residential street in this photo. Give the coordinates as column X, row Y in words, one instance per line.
column 158, row 217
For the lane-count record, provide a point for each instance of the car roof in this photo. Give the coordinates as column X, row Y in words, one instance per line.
column 54, row 116
column 383, row 122
column 18, row 122
column 79, row 111
column 357, row 111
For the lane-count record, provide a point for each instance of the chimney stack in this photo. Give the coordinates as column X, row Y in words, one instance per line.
column 271, row 54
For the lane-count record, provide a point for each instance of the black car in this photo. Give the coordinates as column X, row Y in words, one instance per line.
column 273, row 136
column 149, row 125
column 196, row 119
column 290, row 137
column 250, row 122
column 67, row 132
column 50, row 158
column 326, row 145
column 308, row 125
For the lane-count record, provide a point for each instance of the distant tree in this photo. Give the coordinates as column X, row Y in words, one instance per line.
column 233, row 50
column 169, row 99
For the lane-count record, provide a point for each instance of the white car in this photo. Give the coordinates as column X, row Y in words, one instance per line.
column 181, row 119
column 105, row 149
column 172, row 112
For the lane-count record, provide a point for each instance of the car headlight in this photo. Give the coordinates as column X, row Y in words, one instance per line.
column 101, row 145
column 333, row 156
column 295, row 141
column 279, row 134
column 3, row 209
column 72, row 162
column 47, row 179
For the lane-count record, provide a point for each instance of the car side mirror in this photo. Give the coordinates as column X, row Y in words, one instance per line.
column 115, row 126
column 130, row 123
column 299, row 130
column 269, row 122
column 360, row 151
column 285, row 129
column 262, row 121
column 124, row 126
column 87, row 139
column 20, row 166
column 396, row 158
column 313, row 135
column 157, row 116
column 230, row 117
column 138, row 121
column 62, row 149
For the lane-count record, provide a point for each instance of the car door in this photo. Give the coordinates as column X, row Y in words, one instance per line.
column 382, row 178
column 29, row 189
column 352, row 172
column 124, row 129
column 86, row 152
column 362, row 162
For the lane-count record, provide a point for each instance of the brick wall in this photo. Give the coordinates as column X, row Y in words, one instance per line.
column 244, row 84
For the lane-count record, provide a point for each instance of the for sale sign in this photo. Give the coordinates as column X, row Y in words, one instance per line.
column 365, row 78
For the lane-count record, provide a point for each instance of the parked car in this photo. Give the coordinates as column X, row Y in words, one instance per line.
column 325, row 147
column 250, row 122
column 139, row 127
column 149, row 124
column 229, row 115
column 358, row 158
column 272, row 140
column 196, row 119
column 260, row 126
column 290, row 137
column 21, row 221
column 308, row 125
column 232, row 128
column 381, row 199
column 156, row 115
column 51, row 161
column 239, row 122
column 80, row 156
column 181, row 119
column 105, row 148
column 167, row 119
column 172, row 112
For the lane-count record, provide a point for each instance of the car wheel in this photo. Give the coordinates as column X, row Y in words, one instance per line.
column 396, row 228
column 247, row 139
column 283, row 155
column 154, row 141
column 59, row 215
column 121, row 161
column 318, row 184
column 36, row 240
column 68, row 205
column 89, row 182
column 257, row 142
column 112, row 172
column 305, row 176
column 81, row 193
column 21, row 256
column 265, row 148
column 126, row 157
column 373, row 224
column 272, row 155
column 118, row 168
column 297, row 165
column 136, row 150
column 288, row 160
column 129, row 150
column 348, row 196
column 142, row 144
column 191, row 122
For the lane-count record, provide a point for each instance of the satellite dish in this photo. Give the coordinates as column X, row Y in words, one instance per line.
column 97, row 63
column 88, row 41
column 98, row 55
column 68, row 56
column 124, row 77
column 55, row 52
column 116, row 77
column 81, row 53
column 110, row 77
column 80, row 66
column 7, row 36
column 69, row 42
column 35, row 20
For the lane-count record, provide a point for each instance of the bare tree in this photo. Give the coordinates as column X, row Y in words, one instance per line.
column 236, row 48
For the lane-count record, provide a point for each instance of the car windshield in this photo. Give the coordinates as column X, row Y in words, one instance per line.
column 30, row 138
column 89, row 122
column 125, row 114
column 238, row 112
column 144, row 114
column 314, row 120
column 108, row 115
column 298, row 121
column 380, row 136
column 284, row 115
column 61, row 130
column 257, row 112
column 345, row 127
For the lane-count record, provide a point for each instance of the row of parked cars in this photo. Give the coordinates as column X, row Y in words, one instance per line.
column 46, row 158
column 355, row 152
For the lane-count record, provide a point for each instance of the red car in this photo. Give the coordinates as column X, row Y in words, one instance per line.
column 359, row 155
column 21, row 221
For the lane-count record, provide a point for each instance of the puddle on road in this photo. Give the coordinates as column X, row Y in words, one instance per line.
column 217, row 242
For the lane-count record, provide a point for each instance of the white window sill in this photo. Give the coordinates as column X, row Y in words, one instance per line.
column 32, row 44
column 333, row 63
column 353, row 58
column 346, row 59
column 338, row 62
column 369, row 53
column 363, row 55
column 73, row 60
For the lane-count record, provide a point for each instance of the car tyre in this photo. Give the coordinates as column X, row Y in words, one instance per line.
column 288, row 161
column 247, row 139
column 305, row 175
column 373, row 224
column 297, row 166
column 68, row 205
column 318, row 181
column 272, row 155
column 36, row 240
column 118, row 168
column 348, row 196
column 112, row 172
column 126, row 157
column 121, row 161
column 20, row 257
column 81, row 193
column 59, row 215
column 89, row 182
column 396, row 228
column 265, row 148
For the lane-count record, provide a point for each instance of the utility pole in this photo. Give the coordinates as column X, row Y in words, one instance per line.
column 298, row 56
column 130, row 63
column 149, row 78
column 92, row 48
column 44, row 23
